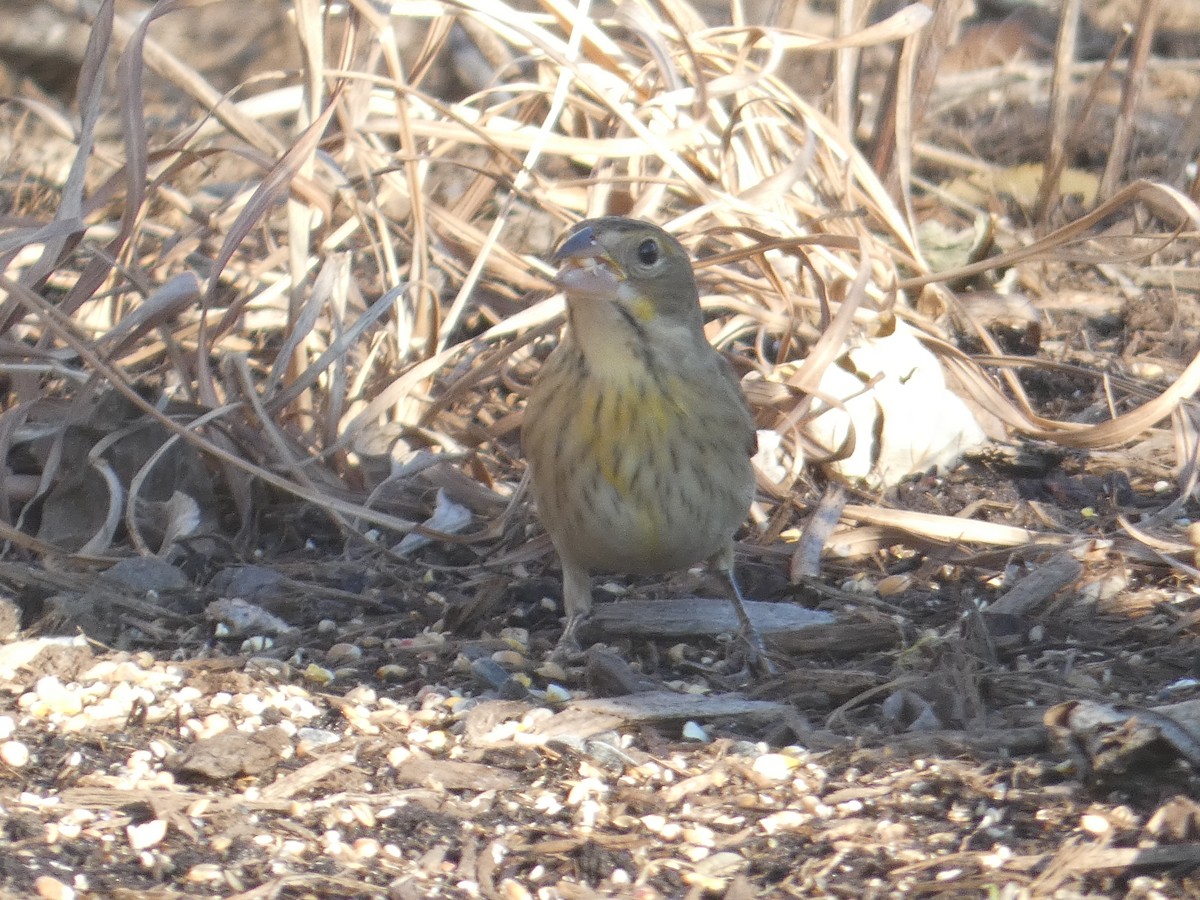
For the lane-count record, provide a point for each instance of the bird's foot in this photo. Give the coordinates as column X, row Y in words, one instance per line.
column 756, row 658
column 567, row 650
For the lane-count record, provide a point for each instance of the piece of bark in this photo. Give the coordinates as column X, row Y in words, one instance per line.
column 482, row 720
column 584, row 718
column 609, row 675
column 836, row 640
column 232, row 753
column 836, row 685
column 1008, row 741
column 25, row 661
column 661, row 706
column 806, row 561
column 572, row 724
column 453, row 775
column 1075, row 859
column 1038, row 586
column 699, row 617
column 1109, row 740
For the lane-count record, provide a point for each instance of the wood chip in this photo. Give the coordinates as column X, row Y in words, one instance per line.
column 453, row 775
column 662, row 706
column 700, row 617
column 1038, row 586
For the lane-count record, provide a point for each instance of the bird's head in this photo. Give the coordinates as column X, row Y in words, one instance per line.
column 622, row 272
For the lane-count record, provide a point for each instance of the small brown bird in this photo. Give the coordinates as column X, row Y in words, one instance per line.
column 637, row 432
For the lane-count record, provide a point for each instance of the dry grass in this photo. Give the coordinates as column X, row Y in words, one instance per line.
column 337, row 276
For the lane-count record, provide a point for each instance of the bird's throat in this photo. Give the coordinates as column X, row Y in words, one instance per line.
column 611, row 339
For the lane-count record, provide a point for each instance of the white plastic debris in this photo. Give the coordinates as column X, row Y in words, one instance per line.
column 895, row 402
column 448, row 517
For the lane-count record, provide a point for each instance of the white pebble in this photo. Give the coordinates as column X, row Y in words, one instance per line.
column 775, row 766
column 556, row 693
column 785, row 820
column 366, row 848
column 205, row 872
column 310, row 739
column 362, row 695
column 147, row 835
column 654, row 822
column 57, row 697
column 53, row 889
column 14, row 753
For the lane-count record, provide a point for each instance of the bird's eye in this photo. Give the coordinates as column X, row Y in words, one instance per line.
column 648, row 252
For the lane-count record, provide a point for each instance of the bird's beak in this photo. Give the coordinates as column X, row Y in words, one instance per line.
column 585, row 268
column 581, row 245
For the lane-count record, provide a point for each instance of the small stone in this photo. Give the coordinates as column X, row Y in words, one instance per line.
column 147, row 835
column 53, row 889
column 654, row 823
column 257, row 644
column 391, row 672
column 311, row 739
column 57, row 697
column 488, row 671
column 318, row 675
column 241, row 617
column 14, row 753
column 1146, row 370
column 706, row 883
column 510, row 659
column 517, row 638
column 893, row 584
column 205, row 872
column 362, row 695
column 552, row 671
column 277, row 669
column 514, row 890
column 556, row 693
column 254, row 583
column 343, row 654
column 785, row 820
column 145, row 574
column 366, row 848
column 775, row 766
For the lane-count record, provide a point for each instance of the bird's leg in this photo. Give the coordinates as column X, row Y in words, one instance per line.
column 577, row 603
column 758, row 659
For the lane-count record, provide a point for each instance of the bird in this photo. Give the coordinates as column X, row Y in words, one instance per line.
column 637, row 434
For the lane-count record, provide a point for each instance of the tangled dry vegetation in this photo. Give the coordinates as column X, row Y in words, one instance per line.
column 273, row 291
